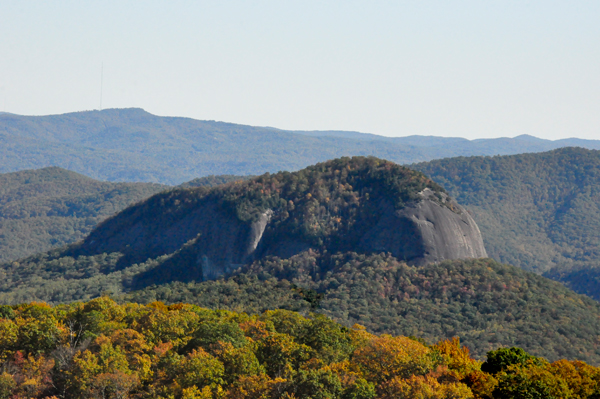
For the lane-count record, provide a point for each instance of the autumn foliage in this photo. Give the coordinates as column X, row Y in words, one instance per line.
column 101, row 349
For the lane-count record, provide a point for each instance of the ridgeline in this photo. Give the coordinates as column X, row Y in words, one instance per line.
column 134, row 145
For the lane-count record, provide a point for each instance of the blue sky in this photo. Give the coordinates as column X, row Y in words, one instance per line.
column 472, row 69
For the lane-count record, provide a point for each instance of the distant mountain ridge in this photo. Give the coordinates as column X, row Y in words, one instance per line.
column 435, row 141
column 134, row 145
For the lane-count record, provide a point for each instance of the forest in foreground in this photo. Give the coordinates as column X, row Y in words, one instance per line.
column 101, row 349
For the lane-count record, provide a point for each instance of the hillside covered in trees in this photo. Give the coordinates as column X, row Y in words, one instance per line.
column 100, row 349
column 213, row 181
column 540, row 212
column 486, row 303
column 134, row 145
column 50, row 207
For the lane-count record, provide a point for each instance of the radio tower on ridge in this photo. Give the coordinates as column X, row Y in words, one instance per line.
column 101, row 83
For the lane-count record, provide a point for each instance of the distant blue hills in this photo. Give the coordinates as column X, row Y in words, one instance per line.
column 134, row 145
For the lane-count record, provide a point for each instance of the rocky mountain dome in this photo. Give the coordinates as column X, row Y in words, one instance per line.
column 358, row 204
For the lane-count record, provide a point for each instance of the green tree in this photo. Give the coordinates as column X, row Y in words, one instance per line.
column 316, row 384
column 500, row 359
column 530, row 381
column 7, row 385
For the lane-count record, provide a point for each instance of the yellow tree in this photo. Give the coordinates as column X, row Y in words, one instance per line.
column 103, row 370
column 465, row 369
column 9, row 333
column 7, row 385
column 199, row 369
column 534, row 379
column 386, row 357
column 423, row 387
column 136, row 349
column 583, row 380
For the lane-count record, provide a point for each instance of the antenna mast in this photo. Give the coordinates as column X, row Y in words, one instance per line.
column 101, row 84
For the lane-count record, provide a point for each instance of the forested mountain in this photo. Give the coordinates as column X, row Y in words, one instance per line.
column 50, row 207
column 486, row 303
column 312, row 255
column 133, row 145
column 341, row 205
column 358, row 203
column 540, row 212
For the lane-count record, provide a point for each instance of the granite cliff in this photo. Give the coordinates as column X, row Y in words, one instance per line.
column 426, row 231
column 349, row 204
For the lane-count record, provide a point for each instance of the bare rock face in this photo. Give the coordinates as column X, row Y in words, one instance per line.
column 431, row 230
column 221, row 243
column 359, row 205
column 219, row 255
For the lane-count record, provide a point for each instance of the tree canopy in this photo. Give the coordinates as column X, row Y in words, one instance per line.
column 101, row 349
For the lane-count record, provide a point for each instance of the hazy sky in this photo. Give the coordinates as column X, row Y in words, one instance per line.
column 448, row 68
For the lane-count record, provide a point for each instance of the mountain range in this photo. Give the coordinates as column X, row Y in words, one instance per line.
column 362, row 240
column 537, row 211
column 315, row 241
column 135, row 146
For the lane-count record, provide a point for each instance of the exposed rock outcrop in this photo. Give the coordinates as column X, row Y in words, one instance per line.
column 383, row 207
column 431, row 230
column 220, row 254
